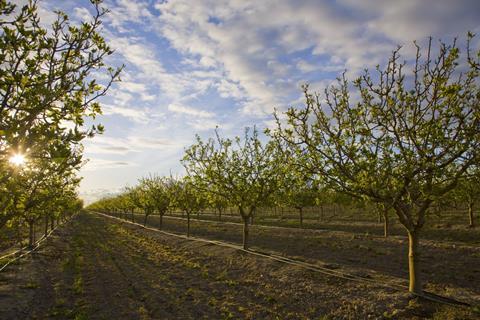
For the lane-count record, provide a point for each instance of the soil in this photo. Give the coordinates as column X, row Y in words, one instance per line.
column 448, row 269
column 100, row 268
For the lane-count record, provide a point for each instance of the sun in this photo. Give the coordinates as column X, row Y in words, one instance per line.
column 17, row 159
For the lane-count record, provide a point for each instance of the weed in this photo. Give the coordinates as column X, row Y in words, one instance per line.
column 78, row 285
column 31, row 284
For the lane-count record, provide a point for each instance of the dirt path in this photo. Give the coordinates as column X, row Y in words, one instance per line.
column 96, row 268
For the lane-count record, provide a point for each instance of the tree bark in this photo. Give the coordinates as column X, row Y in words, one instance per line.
column 145, row 220
column 188, row 224
column 161, row 222
column 245, row 233
column 46, row 225
column 386, row 223
column 470, row 215
column 52, row 222
column 31, row 233
column 415, row 284
column 300, row 210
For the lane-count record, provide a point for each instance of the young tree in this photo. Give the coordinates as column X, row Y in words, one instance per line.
column 468, row 192
column 158, row 190
column 245, row 173
column 405, row 143
column 187, row 197
column 298, row 192
column 141, row 199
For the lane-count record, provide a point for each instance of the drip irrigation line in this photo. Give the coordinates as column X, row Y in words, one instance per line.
column 30, row 250
column 305, row 265
column 320, row 230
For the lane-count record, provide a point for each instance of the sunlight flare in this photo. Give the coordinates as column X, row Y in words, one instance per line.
column 17, row 159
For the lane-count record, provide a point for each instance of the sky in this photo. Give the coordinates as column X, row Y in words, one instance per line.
column 194, row 65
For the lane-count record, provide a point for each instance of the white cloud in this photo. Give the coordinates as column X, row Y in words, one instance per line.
column 100, row 164
column 250, row 38
column 134, row 143
column 136, row 115
column 190, row 111
column 124, row 11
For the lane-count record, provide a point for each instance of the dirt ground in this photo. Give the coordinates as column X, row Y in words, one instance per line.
column 448, row 270
column 99, row 268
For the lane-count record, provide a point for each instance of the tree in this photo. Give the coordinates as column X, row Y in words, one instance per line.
column 405, row 141
column 217, row 202
column 187, row 197
column 141, row 199
column 245, row 173
column 159, row 191
column 467, row 191
column 47, row 90
column 383, row 210
column 298, row 192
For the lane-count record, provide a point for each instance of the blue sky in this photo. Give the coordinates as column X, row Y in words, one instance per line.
column 193, row 65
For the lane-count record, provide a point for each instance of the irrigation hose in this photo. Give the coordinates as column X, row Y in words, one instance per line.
column 305, row 265
column 35, row 247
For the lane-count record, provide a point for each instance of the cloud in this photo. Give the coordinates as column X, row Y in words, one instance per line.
column 190, row 111
column 136, row 115
column 95, row 164
column 125, row 11
column 248, row 41
column 242, row 59
column 204, row 124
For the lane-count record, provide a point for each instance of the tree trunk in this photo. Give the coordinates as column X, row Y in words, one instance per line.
column 52, row 222
column 470, row 215
column 188, row 224
column 245, row 233
column 300, row 211
column 385, row 223
column 133, row 215
column 46, row 226
column 415, row 285
column 161, row 222
column 145, row 220
column 220, row 214
column 31, row 234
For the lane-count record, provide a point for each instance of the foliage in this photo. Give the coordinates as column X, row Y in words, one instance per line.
column 405, row 142
column 48, row 89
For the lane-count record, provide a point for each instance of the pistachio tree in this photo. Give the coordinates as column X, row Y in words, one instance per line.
column 159, row 191
column 187, row 197
column 246, row 172
column 403, row 136
column 468, row 192
column 141, row 198
column 48, row 88
column 298, row 192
